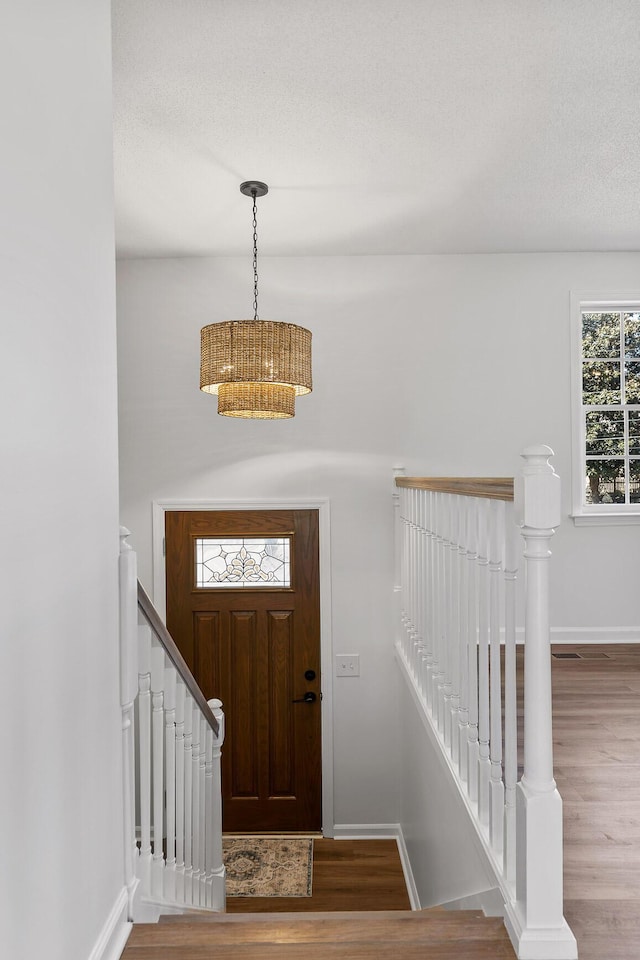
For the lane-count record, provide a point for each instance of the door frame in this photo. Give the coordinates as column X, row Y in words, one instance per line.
column 322, row 505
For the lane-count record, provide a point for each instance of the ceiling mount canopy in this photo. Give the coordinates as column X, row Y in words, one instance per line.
column 257, row 367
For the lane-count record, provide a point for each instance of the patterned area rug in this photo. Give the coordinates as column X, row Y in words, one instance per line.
column 268, row 866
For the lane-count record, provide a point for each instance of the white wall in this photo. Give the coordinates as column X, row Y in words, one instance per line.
column 449, row 365
column 60, row 796
column 441, row 844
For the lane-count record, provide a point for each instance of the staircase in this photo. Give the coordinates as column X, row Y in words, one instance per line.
column 405, row 935
column 457, row 548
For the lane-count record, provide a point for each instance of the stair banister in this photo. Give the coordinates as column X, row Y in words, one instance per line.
column 172, row 739
column 460, row 540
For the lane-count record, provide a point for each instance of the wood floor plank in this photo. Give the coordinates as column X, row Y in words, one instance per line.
column 404, row 928
column 603, row 752
column 595, row 822
column 357, row 915
column 381, row 950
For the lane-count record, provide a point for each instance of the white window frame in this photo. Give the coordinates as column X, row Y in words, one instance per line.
column 597, row 513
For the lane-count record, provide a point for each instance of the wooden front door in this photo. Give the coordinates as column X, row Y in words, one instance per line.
column 243, row 607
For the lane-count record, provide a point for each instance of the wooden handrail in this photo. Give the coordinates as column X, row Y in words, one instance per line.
column 491, row 488
column 153, row 619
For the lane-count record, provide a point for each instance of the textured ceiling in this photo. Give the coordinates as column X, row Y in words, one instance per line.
column 381, row 126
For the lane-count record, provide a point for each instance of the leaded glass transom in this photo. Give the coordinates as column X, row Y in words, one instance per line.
column 243, row 562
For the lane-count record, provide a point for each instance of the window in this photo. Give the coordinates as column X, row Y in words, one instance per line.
column 248, row 562
column 607, row 410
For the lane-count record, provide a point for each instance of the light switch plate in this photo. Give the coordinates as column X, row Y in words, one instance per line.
column 348, row 665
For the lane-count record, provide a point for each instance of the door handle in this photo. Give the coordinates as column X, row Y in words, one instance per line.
column 309, row 697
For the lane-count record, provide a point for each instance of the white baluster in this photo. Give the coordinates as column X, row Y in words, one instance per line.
column 510, row 695
column 484, row 764
column 188, row 798
column 496, row 786
column 214, row 863
column 144, row 754
column 127, row 570
column 409, row 571
column 419, row 593
column 463, row 635
column 196, row 846
column 410, row 574
column 427, row 657
column 404, row 497
column 417, row 586
column 412, row 579
column 209, row 825
column 447, row 604
column 170, row 779
column 538, row 913
column 441, row 608
column 179, row 752
column 473, row 630
column 202, row 774
column 454, row 625
column 157, row 700
column 433, row 613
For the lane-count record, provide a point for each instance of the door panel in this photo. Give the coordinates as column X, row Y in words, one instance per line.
column 281, row 746
column 250, row 646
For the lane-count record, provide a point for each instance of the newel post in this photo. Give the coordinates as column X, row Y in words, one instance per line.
column 213, row 853
column 536, row 920
column 397, row 552
column 128, row 580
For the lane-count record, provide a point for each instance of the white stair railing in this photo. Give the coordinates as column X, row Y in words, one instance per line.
column 172, row 740
column 457, row 549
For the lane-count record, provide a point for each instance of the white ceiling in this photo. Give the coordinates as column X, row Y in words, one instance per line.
column 381, row 126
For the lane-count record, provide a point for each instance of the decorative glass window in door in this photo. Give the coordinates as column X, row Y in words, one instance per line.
column 243, row 562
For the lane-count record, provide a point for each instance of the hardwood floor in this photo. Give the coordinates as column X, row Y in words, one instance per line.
column 596, row 715
column 347, row 875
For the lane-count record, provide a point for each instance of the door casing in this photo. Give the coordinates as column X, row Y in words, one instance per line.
column 160, row 507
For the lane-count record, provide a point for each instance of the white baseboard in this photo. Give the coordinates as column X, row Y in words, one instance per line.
column 585, row 635
column 365, row 831
column 115, row 932
column 409, row 878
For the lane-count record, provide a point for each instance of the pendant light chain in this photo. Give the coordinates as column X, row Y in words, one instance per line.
column 255, row 256
column 256, row 367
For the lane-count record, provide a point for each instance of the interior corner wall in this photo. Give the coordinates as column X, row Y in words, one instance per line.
column 445, row 364
column 61, row 796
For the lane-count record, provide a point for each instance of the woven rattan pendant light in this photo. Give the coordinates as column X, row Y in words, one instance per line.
column 257, row 367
